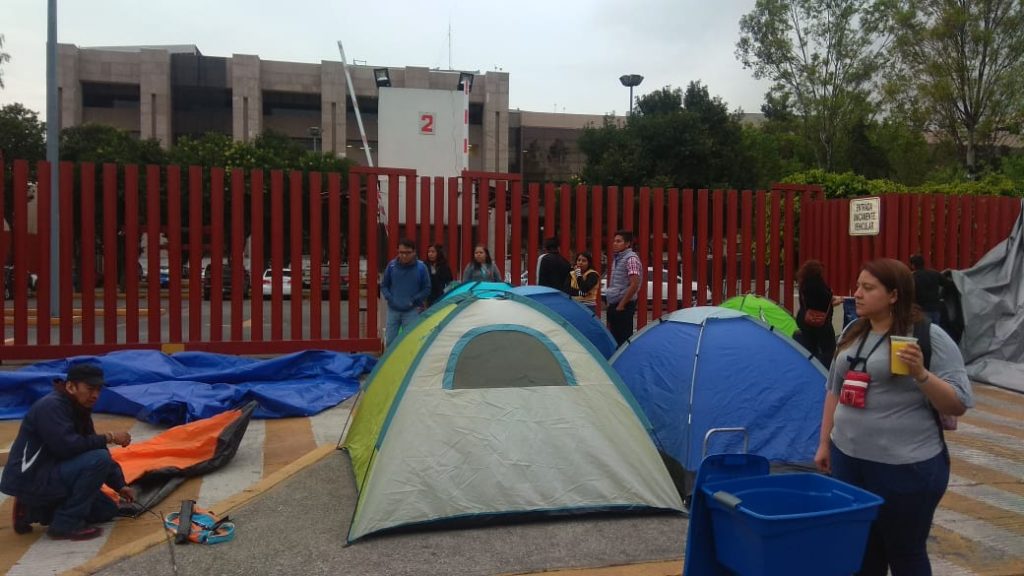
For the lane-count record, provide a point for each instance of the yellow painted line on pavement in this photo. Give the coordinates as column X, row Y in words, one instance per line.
column 158, row 536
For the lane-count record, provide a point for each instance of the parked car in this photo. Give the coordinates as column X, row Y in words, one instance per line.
column 226, row 281
column 286, row 282
column 649, row 281
column 325, row 281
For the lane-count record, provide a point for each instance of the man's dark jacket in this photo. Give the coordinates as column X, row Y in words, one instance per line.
column 554, row 271
column 54, row 430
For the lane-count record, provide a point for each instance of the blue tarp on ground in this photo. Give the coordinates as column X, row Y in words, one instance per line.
column 187, row 386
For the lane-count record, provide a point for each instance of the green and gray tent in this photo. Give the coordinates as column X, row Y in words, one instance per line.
column 765, row 310
column 494, row 407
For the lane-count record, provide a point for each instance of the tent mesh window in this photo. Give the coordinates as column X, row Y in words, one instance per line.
column 506, row 359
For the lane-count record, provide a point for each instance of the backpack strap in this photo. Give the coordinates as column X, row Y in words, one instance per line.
column 923, row 333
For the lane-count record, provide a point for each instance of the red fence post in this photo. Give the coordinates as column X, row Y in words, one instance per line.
column 564, row 210
column 747, row 245
column 643, row 234
column 952, row 222
column 277, row 255
column 927, row 234
column 500, row 228
column 688, row 247
column 658, row 254
column 5, row 253
column 939, row 256
column 549, row 210
column 20, row 248
column 842, row 272
column 334, row 258
column 238, row 271
column 580, row 245
column 466, row 229
column 981, row 206
column 297, row 267
column 597, row 238
column 372, row 258
column 131, row 258
column 532, row 232
column 483, row 196
column 456, row 256
column 110, row 287
column 354, row 245
column 410, row 208
column 761, row 237
column 674, row 287
column 392, row 221
column 731, row 209
column 966, row 231
column 315, row 256
column 439, row 198
column 153, row 329
column 87, row 273
column 195, row 253
column 517, row 231
column 216, row 292
column 774, row 246
column 425, row 216
column 789, row 255
column 67, row 247
column 174, row 252
column 717, row 239
column 256, row 254
column 44, row 283
column 701, row 257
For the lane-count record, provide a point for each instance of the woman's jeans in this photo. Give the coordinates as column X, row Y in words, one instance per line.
column 899, row 536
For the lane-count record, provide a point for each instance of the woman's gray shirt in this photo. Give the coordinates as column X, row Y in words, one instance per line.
column 897, row 425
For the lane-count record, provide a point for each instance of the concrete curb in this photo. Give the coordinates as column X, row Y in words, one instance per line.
column 222, row 508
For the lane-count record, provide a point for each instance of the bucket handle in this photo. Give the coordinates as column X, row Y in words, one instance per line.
column 713, row 431
column 727, row 499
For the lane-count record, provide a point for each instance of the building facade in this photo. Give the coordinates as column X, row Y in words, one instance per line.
column 169, row 92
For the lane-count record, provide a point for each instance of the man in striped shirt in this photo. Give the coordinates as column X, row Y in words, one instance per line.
column 623, row 286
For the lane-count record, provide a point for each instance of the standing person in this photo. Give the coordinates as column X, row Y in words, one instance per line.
column 814, row 315
column 405, row 287
column 58, row 463
column 552, row 269
column 623, row 286
column 583, row 281
column 881, row 431
column 927, row 288
column 440, row 272
column 482, row 268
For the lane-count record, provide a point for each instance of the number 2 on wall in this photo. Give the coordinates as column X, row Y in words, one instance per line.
column 427, row 123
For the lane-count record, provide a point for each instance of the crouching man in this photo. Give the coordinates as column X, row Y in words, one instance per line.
column 58, row 463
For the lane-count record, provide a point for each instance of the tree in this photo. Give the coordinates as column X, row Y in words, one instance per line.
column 22, row 135
column 101, row 143
column 962, row 61
column 4, row 58
column 822, row 55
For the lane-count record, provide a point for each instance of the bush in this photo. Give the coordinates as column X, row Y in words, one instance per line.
column 850, row 185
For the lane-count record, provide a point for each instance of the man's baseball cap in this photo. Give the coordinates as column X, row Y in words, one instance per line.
column 90, row 374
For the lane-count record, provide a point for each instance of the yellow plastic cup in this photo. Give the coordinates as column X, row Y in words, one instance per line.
column 897, row 343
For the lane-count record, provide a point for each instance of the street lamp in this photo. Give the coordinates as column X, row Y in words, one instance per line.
column 631, row 80
column 314, row 133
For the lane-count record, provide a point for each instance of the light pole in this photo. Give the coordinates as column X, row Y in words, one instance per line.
column 53, row 157
column 631, row 80
column 314, row 132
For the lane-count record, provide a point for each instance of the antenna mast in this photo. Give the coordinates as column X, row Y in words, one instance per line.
column 355, row 105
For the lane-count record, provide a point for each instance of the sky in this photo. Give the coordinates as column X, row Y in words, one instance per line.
column 561, row 55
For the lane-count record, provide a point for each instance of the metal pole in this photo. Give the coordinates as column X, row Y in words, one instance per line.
column 53, row 155
column 355, row 105
column 630, row 100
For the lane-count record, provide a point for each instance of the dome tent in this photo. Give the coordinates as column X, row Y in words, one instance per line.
column 573, row 312
column 493, row 406
column 708, row 367
column 764, row 309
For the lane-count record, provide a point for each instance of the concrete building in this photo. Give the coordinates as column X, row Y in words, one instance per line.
column 167, row 92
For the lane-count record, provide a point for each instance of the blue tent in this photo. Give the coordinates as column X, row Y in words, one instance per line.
column 709, row 367
column 574, row 313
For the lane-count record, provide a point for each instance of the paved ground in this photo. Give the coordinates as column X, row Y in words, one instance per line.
column 299, row 525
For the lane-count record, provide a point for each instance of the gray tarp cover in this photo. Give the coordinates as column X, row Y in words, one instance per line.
column 992, row 294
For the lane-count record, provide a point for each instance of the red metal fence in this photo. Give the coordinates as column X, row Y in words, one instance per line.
column 949, row 231
column 718, row 243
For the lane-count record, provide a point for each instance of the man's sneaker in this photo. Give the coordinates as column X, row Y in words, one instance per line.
column 20, row 518
column 83, row 533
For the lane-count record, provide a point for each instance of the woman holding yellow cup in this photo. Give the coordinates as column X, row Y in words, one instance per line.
column 880, row 425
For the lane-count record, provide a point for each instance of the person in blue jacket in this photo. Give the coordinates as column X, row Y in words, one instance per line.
column 405, row 288
column 58, row 463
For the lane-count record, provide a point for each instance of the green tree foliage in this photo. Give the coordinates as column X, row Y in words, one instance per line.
column 959, row 63
column 822, row 56
column 673, row 139
column 101, row 143
column 22, row 135
column 4, row 58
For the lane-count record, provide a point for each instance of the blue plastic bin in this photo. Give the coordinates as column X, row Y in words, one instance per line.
column 791, row 524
